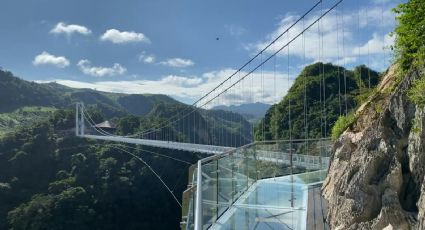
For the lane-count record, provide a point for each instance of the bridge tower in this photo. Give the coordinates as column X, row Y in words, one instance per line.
column 79, row 119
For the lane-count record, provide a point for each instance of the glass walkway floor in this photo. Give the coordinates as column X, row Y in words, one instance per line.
column 274, row 203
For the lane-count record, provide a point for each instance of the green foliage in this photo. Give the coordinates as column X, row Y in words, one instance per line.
column 342, row 124
column 410, row 39
column 218, row 127
column 416, row 126
column 22, row 117
column 275, row 124
column 417, row 92
column 54, row 181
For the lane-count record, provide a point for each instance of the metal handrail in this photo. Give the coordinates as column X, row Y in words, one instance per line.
column 231, row 151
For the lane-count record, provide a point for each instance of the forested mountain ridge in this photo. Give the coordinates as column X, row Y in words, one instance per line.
column 25, row 102
column 342, row 87
column 251, row 111
column 16, row 93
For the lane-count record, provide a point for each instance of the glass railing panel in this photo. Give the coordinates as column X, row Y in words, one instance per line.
column 228, row 177
column 251, row 164
column 225, row 183
column 209, row 193
column 240, row 177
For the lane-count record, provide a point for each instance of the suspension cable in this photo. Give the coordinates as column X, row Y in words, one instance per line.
column 152, row 170
column 239, row 69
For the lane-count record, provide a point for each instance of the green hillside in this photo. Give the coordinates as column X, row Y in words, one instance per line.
column 50, row 179
column 16, row 93
column 275, row 124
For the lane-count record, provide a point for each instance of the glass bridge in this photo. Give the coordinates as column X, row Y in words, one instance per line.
column 264, row 185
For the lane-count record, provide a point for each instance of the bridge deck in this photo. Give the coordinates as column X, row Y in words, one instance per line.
column 317, row 207
column 278, row 157
column 287, row 202
column 208, row 149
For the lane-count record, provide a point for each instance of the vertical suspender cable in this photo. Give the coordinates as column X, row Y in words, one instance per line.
column 324, row 77
column 344, row 59
column 338, row 58
column 289, row 107
column 358, row 50
column 368, row 50
column 320, row 77
column 275, row 92
column 262, row 97
column 305, row 95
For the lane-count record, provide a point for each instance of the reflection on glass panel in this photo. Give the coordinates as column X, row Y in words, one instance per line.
column 209, row 193
column 239, row 174
column 246, row 218
column 224, row 183
column 260, row 186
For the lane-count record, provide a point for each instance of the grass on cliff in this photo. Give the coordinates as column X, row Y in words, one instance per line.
column 417, row 92
column 342, row 124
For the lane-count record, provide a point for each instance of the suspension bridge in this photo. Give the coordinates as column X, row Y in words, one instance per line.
column 272, row 177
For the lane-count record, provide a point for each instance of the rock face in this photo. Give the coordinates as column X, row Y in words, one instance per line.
column 376, row 176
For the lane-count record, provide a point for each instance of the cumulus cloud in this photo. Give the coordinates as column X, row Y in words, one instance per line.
column 120, row 37
column 189, row 88
column 148, row 59
column 63, row 28
column 376, row 45
column 98, row 71
column 178, row 62
column 49, row 59
column 330, row 40
column 181, row 81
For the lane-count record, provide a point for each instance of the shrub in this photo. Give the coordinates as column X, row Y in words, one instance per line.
column 410, row 40
column 342, row 124
column 417, row 92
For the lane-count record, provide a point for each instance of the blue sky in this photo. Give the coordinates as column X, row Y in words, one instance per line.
column 180, row 48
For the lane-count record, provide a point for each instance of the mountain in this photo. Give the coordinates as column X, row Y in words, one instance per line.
column 320, row 112
column 38, row 100
column 217, row 127
column 16, row 93
column 23, row 102
column 251, row 111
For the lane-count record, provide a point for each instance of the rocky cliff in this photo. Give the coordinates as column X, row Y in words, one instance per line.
column 376, row 176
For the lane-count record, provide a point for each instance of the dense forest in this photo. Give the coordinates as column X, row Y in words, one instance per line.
column 54, row 180
column 50, row 179
column 320, row 106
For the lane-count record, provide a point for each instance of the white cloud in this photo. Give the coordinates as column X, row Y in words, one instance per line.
column 376, row 45
column 252, row 89
column 178, row 62
column 98, row 71
column 120, row 37
column 148, row 59
column 181, row 81
column 339, row 39
column 63, row 28
column 49, row 59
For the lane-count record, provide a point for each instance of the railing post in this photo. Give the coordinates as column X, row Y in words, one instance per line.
column 82, row 119
column 77, row 125
column 198, row 207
